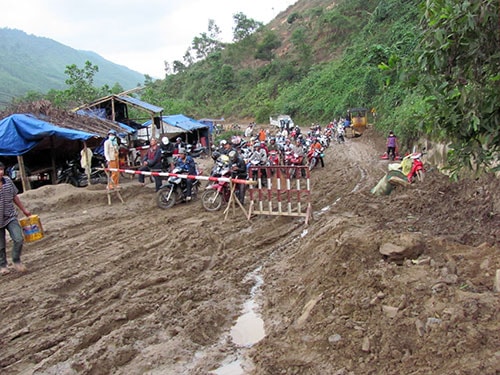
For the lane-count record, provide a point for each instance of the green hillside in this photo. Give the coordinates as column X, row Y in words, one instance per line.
column 31, row 63
column 429, row 69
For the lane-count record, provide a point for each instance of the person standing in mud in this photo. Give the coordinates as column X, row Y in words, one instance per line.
column 391, row 145
column 9, row 222
column 152, row 162
column 111, row 155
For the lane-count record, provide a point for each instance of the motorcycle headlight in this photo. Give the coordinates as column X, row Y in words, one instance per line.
column 175, row 180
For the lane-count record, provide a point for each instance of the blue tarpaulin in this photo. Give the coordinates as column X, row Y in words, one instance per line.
column 19, row 133
column 180, row 121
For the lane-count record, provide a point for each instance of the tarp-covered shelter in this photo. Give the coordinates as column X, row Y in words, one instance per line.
column 41, row 136
column 211, row 122
column 19, row 133
column 115, row 108
column 190, row 130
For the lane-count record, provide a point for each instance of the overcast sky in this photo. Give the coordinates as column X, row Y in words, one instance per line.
column 140, row 34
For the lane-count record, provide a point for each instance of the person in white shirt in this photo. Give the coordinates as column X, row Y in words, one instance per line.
column 111, row 155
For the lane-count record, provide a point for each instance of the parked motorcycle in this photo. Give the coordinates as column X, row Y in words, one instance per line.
column 175, row 190
column 197, row 152
column 71, row 173
column 417, row 167
column 218, row 192
column 97, row 174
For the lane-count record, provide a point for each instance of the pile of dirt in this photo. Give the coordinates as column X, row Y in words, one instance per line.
column 132, row 289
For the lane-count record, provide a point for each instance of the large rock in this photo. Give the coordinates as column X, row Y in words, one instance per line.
column 408, row 246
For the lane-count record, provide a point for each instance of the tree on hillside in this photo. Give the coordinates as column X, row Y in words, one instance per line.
column 459, row 64
column 265, row 49
column 178, row 66
column 81, row 82
column 206, row 43
column 244, row 26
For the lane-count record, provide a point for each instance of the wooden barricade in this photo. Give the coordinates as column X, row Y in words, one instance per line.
column 281, row 191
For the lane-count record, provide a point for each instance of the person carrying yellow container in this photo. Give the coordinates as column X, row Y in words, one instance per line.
column 9, row 222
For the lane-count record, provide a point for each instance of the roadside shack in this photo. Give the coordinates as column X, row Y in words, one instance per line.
column 39, row 137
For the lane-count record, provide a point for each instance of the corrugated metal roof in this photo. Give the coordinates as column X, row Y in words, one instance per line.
column 139, row 103
column 180, row 121
column 150, row 108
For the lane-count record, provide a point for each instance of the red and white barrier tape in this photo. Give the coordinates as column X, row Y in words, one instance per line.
column 192, row 177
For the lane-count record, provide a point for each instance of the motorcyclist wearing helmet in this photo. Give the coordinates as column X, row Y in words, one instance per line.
column 272, row 146
column 316, row 145
column 258, row 156
column 187, row 165
column 227, row 148
column 298, row 148
column 239, row 171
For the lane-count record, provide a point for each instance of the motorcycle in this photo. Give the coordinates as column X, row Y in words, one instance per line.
column 175, row 190
column 197, row 152
column 324, row 139
column 313, row 156
column 417, row 167
column 218, row 192
column 70, row 173
column 97, row 174
column 273, row 159
column 293, row 159
column 340, row 136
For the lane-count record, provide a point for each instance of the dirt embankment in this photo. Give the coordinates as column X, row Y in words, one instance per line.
column 132, row 289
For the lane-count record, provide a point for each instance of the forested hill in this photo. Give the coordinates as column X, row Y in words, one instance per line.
column 429, row 68
column 31, row 63
column 313, row 61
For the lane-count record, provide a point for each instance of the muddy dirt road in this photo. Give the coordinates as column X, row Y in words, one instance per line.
column 132, row 289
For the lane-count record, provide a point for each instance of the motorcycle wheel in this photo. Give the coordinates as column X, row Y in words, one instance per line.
column 420, row 175
column 194, row 190
column 211, row 200
column 165, row 199
column 312, row 164
column 71, row 180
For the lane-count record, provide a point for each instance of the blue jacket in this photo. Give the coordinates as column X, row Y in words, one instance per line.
column 187, row 165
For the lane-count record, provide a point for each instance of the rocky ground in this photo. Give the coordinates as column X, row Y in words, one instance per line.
column 132, row 289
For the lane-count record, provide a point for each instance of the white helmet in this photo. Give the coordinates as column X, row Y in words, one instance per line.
column 165, row 140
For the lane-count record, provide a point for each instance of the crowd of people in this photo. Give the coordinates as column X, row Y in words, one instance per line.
column 281, row 146
column 284, row 146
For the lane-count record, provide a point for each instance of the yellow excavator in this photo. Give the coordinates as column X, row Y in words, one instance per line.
column 358, row 118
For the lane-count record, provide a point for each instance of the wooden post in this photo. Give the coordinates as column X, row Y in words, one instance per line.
column 53, row 172
column 22, row 171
